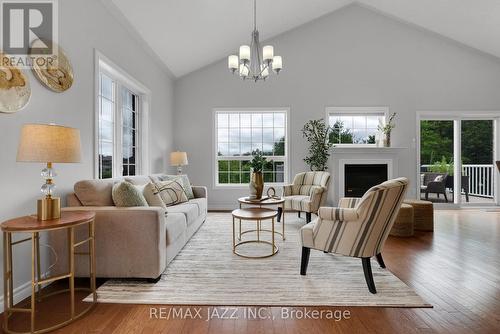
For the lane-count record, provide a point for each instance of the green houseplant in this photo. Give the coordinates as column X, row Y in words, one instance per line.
column 442, row 166
column 317, row 133
column 256, row 180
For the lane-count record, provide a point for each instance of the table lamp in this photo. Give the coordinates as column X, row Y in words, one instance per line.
column 178, row 159
column 49, row 143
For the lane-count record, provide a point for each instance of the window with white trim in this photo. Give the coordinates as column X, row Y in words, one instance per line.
column 355, row 126
column 238, row 134
column 119, row 128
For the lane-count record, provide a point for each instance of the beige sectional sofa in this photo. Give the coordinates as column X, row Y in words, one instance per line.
column 136, row 242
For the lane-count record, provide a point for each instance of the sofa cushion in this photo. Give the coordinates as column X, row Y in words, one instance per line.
column 190, row 211
column 298, row 203
column 125, row 194
column 171, row 192
column 176, row 225
column 95, row 192
column 201, row 203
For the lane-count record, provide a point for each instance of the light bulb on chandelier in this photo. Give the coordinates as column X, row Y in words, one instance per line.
column 255, row 62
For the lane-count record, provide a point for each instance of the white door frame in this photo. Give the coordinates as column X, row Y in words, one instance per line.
column 457, row 117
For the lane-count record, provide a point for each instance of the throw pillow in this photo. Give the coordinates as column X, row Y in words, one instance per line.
column 439, row 178
column 171, row 192
column 125, row 194
column 152, row 195
column 186, row 185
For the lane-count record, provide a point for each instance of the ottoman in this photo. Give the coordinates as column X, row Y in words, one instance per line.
column 423, row 213
column 403, row 225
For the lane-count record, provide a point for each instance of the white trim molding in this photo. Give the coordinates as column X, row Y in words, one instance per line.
column 102, row 64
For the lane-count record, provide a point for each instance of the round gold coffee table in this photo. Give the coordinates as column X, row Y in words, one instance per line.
column 257, row 215
column 269, row 201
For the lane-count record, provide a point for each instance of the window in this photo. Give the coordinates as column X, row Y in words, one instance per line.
column 129, row 133
column 239, row 134
column 121, row 134
column 355, row 126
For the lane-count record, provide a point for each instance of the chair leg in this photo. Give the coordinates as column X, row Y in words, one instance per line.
column 298, row 214
column 308, row 217
column 445, row 197
column 367, row 269
column 426, row 196
column 380, row 260
column 280, row 212
column 305, row 260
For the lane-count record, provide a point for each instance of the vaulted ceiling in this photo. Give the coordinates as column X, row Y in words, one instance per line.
column 189, row 34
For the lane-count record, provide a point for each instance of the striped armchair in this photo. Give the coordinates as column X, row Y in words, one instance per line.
column 307, row 193
column 357, row 228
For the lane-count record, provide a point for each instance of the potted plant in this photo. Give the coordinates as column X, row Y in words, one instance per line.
column 317, row 134
column 386, row 129
column 256, row 180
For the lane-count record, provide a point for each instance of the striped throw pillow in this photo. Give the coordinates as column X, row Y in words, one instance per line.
column 171, row 191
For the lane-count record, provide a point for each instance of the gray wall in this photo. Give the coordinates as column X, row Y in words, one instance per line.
column 352, row 57
column 83, row 26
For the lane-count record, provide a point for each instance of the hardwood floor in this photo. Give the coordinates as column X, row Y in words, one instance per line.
column 456, row 269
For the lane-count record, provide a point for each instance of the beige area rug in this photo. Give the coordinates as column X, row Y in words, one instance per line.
column 206, row 272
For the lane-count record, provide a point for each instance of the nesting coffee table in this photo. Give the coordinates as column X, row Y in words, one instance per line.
column 270, row 201
column 257, row 215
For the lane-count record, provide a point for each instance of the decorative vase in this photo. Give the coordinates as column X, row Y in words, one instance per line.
column 387, row 142
column 256, row 185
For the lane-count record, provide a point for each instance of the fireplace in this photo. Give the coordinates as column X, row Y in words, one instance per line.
column 358, row 178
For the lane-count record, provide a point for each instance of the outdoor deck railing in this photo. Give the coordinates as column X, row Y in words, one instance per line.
column 480, row 179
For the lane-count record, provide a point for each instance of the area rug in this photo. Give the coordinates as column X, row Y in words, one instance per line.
column 206, row 272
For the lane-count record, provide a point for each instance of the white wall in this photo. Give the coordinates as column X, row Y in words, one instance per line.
column 352, row 57
column 83, row 26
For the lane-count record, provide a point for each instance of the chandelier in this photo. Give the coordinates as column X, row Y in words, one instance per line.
column 255, row 62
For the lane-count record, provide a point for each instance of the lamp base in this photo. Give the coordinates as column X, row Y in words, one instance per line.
column 49, row 208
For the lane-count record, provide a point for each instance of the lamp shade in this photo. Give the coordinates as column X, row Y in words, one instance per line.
column 178, row 159
column 49, row 143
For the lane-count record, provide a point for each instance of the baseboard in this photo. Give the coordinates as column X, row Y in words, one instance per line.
column 21, row 292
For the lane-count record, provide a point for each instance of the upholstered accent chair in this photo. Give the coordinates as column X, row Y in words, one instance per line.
column 357, row 228
column 434, row 183
column 307, row 193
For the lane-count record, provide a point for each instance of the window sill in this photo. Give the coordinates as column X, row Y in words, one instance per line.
column 364, row 147
column 245, row 186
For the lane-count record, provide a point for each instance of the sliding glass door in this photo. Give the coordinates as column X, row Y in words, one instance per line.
column 457, row 160
column 478, row 169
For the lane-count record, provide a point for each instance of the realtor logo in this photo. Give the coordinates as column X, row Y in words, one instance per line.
column 22, row 22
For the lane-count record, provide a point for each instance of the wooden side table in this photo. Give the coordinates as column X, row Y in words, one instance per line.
column 30, row 224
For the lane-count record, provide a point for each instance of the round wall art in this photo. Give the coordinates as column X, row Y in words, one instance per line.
column 54, row 72
column 15, row 88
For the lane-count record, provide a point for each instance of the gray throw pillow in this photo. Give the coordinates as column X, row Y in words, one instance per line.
column 186, row 185
column 125, row 194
